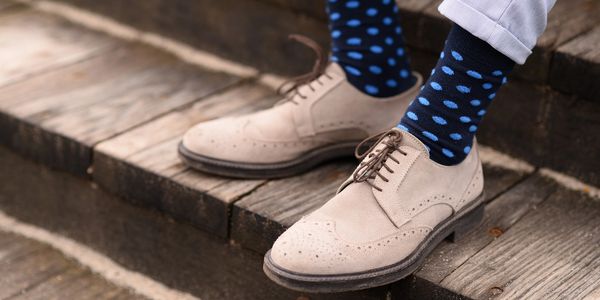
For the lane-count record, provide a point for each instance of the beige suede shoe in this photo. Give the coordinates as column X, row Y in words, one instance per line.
column 322, row 120
column 385, row 219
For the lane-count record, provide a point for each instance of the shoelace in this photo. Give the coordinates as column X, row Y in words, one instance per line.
column 309, row 78
column 376, row 159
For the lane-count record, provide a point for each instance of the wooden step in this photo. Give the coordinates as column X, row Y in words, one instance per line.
column 31, row 270
column 106, row 115
column 249, row 30
column 553, row 95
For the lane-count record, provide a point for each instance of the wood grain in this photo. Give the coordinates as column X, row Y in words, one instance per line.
column 147, row 156
column 551, row 253
column 31, row 270
column 500, row 215
column 88, row 102
column 51, row 43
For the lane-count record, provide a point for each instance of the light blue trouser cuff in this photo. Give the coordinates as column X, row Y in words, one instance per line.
column 510, row 26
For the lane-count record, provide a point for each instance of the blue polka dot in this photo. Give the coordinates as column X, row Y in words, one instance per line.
column 400, row 51
column 391, row 83
column 387, row 21
column 447, row 70
column 389, row 41
column 391, row 62
column 465, row 119
column 497, row 73
column 353, row 23
column 371, row 89
column 398, row 30
column 487, row 86
column 492, row 96
column 354, row 41
column 402, row 127
column 474, row 74
column 375, row 69
column 456, row 136
column 481, row 112
column 467, row 149
column 352, row 4
column 404, row 73
column 352, row 70
column 355, row 55
column 423, row 101
column 439, row 120
column 371, row 12
column 395, row 9
column 442, row 54
column 334, row 58
column 335, row 16
column 456, row 55
column 387, row 2
column 411, row 115
column 504, row 80
column 475, row 102
column 336, row 34
column 376, row 49
column 447, row 152
column 436, row 86
column 472, row 128
column 432, row 72
column 463, row 89
column 373, row 31
column 450, row 104
column 430, row 135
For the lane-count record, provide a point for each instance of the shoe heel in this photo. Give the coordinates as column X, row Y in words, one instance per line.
column 467, row 223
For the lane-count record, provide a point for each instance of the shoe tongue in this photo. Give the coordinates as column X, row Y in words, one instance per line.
column 412, row 141
column 335, row 68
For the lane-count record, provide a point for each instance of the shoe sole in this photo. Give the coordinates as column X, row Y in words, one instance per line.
column 454, row 228
column 265, row 171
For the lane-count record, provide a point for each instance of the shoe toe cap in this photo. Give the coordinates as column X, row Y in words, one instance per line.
column 213, row 139
column 309, row 247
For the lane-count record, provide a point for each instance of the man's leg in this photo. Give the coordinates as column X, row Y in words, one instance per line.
column 367, row 42
column 423, row 182
column 473, row 65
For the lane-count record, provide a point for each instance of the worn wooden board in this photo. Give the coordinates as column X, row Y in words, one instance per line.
column 576, row 67
column 500, row 215
column 259, row 218
column 551, row 253
column 175, row 254
column 147, row 156
column 33, row 43
column 57, row 117
column 31, row 270
column 566, row 21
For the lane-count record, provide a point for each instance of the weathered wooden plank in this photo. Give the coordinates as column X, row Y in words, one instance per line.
column 259, row 218
column 242, row 23
column 500, row 215
column 576, row 66
column 22, row 272
column 74, row 283
column 141, row 240
column 551, row 253
column 51, row 43
column 147, row 156
column 566, row 21
column 96, row 99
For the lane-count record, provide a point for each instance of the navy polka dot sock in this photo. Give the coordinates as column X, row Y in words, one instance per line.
column 368, row 45
column 447, row 112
